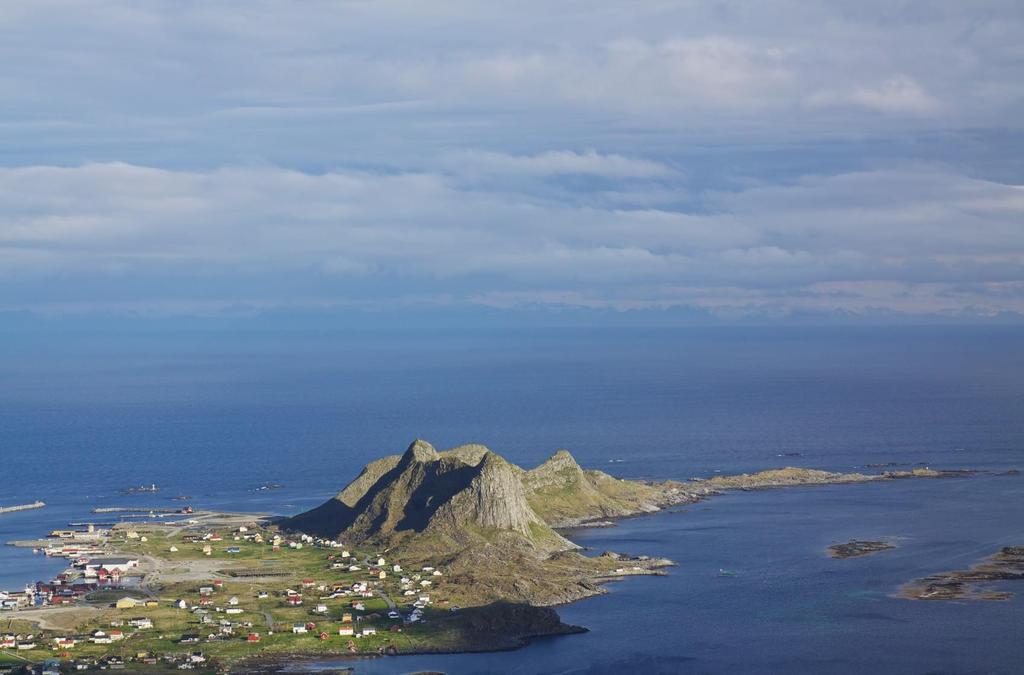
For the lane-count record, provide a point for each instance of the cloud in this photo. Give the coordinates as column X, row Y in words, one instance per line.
column 651, row 153
column 556, row 162
column 896, row 95
column 919, row 227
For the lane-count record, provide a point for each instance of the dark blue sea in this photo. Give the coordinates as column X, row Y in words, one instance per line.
column 216, row 414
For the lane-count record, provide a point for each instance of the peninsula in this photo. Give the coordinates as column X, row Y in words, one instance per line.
column 423, row 551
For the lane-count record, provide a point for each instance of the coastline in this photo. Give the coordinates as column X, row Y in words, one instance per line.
column 595, row 582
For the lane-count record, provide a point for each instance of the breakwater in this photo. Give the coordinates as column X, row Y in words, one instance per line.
column 22, row 507
column 131, row 509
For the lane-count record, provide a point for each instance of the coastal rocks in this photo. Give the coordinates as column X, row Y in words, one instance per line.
column 857, row 548
column 1006, row 565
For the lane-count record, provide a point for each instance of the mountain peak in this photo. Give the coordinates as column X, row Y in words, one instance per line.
column 421, row 451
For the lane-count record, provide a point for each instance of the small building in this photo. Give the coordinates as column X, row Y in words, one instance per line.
column 346, row 629
column 253, row 637
column 126, row 603
column 299, row 628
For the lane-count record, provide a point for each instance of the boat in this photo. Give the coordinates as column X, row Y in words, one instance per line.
column 726, row 573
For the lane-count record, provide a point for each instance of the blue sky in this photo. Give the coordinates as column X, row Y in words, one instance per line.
column 729, row 158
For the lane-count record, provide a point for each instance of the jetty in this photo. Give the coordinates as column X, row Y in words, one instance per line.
column 22, row 507
column 132, row 509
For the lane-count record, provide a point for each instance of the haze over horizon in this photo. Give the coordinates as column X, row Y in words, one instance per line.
column 719, row 160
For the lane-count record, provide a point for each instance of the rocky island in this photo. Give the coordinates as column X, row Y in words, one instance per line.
column 972, row 584
column 857, row 548
column 424, row 551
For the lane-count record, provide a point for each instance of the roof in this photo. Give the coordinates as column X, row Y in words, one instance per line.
column 111, row 561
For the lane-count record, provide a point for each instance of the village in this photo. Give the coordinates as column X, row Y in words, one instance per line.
column 208, row 590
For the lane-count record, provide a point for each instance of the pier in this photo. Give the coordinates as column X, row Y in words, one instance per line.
column 22, row 507
column 131, row 509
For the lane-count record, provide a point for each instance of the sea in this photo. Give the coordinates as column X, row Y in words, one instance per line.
column 216, row 415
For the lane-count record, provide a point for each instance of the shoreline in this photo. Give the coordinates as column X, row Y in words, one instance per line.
column 590, row 585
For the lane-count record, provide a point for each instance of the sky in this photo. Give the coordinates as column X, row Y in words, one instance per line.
column 729, row 159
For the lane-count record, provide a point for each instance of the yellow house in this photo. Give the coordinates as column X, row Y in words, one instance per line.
column 126, row 603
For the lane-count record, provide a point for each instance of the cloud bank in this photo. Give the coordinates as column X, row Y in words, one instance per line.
column 735, row 157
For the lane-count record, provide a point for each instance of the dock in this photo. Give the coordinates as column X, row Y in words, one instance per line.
column 22, row 507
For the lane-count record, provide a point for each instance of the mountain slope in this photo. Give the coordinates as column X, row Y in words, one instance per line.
column 563, row 494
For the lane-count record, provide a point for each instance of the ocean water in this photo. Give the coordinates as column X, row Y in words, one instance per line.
column 214, row 416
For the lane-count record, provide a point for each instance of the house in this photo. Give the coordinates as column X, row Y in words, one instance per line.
column 346, row 617
column 100, row 638
column 64, row 643
column 346, row 629
column 181, row 604
column 126, row 603
column 111, row 564
column 233, row 610
column 206, row 590
column 308, row 583
column 233, row 600
column 321, row 609
column 368, row 630
column 116, row 634
column 299, row 628
column 189, row 638
column 232, row 549
column 8, row 641
column 293, row 600
column 26, row 645
column 253, row 637
column 141, row 622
